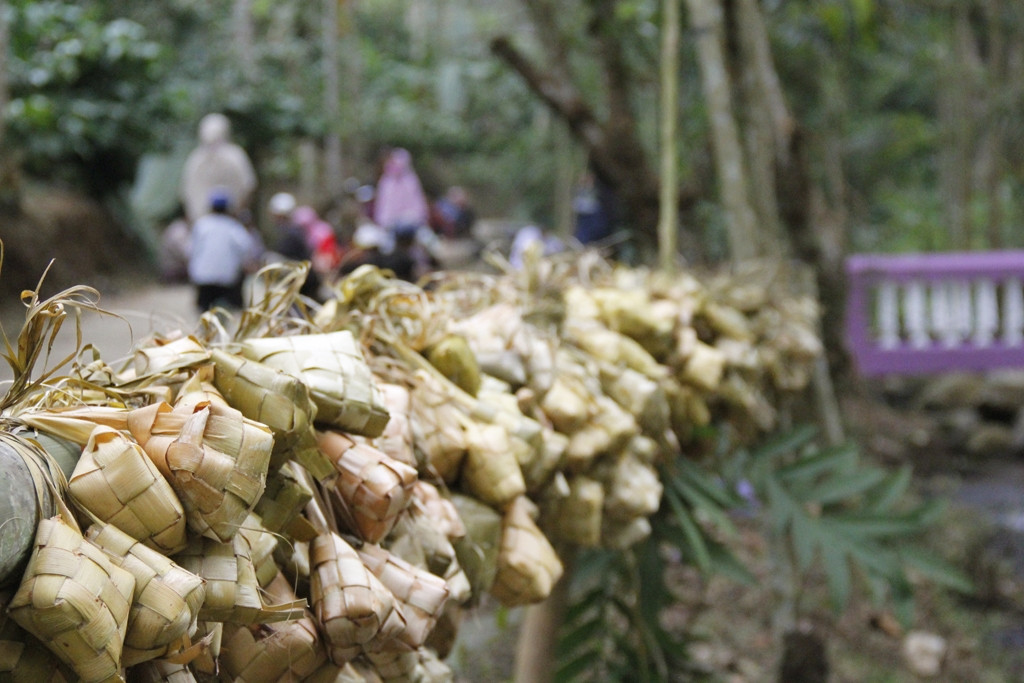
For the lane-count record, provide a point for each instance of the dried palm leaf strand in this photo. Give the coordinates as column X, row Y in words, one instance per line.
column 268, row 653
column 351, row 605
column 117, row 482
column 276, row 399
column 23, row 659
column 491, row 471
column 232, row 591
column 421, row 594
column 528, row 566
column 159, row 671
column 75, row 601
column 166, row 600
column 334, row 369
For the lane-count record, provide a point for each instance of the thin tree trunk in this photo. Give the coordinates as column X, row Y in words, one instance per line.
column 955, row 124
column 769, row 125
column 333, row 174
column 706, row 19
column 242, row 28
column 668, row 221
column 5, row 90
column 538, row 636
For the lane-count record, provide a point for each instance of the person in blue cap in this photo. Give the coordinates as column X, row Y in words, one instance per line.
column 222, row 252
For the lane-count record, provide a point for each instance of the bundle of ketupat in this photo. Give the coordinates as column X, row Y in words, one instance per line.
column 460, row 431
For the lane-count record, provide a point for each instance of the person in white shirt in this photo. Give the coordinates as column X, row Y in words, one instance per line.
column 222, row 251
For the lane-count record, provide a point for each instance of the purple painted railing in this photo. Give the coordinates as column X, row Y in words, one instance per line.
column 927, row 313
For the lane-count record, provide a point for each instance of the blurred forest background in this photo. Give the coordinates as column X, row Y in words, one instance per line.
column 856, row 125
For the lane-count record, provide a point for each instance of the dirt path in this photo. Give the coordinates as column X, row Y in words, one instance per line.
column 145, row 309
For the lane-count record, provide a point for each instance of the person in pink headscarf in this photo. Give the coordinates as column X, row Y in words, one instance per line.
column 320, row 239
column 400, row 200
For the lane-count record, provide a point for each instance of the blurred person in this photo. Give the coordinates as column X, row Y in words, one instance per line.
column 216, row 163
column 222, row 251
column 291, row 241
column 453, row 215
column 591, row 205
column 320, row 240
column 399, row 200
column 173, row 254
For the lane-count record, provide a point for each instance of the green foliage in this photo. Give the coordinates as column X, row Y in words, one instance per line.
column 829, row 509
column 614, row 630
column 82, row 95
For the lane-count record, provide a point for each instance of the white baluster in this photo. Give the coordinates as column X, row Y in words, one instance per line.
column 942, row 315
column 963, row 319
column 915, row 304
column 986, row 312
column 888, row 315
column 1013, row 312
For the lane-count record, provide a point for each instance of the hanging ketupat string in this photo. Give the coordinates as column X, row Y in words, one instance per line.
column 323, row 493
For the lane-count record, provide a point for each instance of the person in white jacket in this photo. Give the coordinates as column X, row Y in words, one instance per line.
column 217, row 163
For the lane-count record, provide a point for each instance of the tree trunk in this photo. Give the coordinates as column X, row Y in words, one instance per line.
column 955, row 123
column 5, row 90
column 243, row 34
column 538, row 636
column 333, row 174
column 706, row 19
column 668, row 223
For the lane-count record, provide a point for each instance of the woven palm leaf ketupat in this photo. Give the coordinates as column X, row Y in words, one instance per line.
column 278, row 400
column 576, row 517
column 332, row 673
column 164, row 356
column 75, row 601
column 392, row 664
column 283, row 499
column 334, row 369
column 159, row 671
column 491, row 471
column 23, row 659
column 285, row 652
column 421, row 594
column 437, row 425
column 232, row 591
column 397, row 438
column 117, row 482
column 454, row 359
column 215, row 458
column 262, row 545
column 351, row 605
column 374, row 487
column 166, row 599
column 632, row 488
column 528, row 567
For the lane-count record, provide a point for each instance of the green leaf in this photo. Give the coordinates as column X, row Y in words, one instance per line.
column 584, row 634
column 829, row 460
column 698, row 499
column 840, row 488
column 725, row 563
column 889, row 491
column 875, row 526
column 837, row 574
column 590, row 601
column 698, row 550
column 786, row 443
column 805, row 538
column 568, row 672
column 936, row 569
column 705, row 482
